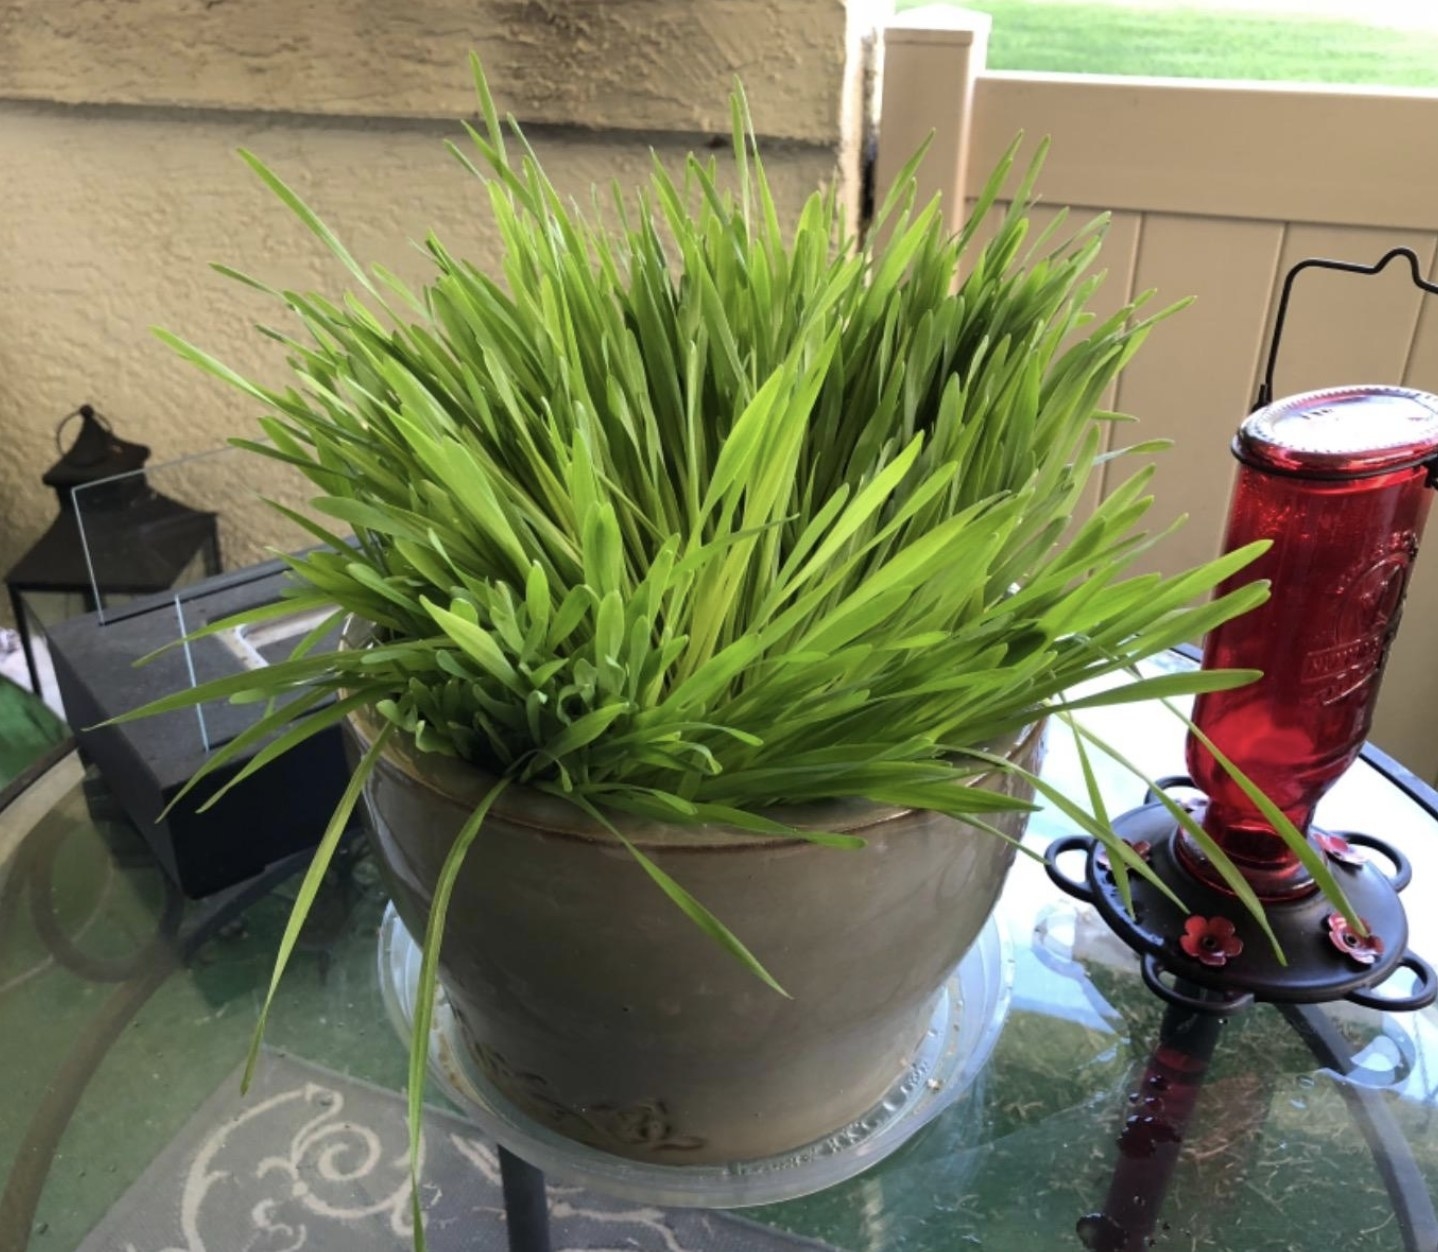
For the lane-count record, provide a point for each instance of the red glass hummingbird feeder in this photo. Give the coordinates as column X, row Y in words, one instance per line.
column 1340, row 482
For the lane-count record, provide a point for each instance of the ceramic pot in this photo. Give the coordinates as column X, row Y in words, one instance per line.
column 606, row 1014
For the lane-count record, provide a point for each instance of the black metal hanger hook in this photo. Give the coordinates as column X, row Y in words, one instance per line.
column 1265, row 390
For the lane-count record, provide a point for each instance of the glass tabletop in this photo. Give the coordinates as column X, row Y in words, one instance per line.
column 125, row 1013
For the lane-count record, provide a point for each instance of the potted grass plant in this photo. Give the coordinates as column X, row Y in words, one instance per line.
column 708, row 579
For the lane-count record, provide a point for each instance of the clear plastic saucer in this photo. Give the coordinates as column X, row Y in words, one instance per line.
column 968, row 1015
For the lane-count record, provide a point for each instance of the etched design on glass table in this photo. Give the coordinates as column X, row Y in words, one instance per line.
column 313, row 1166
column 325, row 1158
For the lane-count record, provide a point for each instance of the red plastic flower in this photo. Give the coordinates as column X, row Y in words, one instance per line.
column 1337, row 847
column 1210, row 940
column 1361, row 949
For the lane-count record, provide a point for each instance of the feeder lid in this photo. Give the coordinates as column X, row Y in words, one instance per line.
column 1344, row 432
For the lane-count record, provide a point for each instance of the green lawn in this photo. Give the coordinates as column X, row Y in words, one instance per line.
column 1098, row 38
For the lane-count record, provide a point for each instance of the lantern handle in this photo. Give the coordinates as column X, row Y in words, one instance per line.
column 89, row 413
column 1265, row 390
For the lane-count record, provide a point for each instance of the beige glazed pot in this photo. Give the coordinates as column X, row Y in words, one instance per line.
column 607, row 1015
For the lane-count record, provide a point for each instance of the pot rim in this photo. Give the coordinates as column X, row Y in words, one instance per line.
column 465, row 785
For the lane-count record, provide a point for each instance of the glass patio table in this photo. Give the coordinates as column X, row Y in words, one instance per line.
column 126, row 1012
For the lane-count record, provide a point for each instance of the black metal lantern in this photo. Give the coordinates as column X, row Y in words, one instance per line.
column 97, row 453
column 115, row 535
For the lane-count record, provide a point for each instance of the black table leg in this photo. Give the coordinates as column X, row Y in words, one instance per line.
column 1393, row 1154
column 526, row 1206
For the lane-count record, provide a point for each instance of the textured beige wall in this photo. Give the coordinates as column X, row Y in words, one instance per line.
column 640, row 64
column 110, row 211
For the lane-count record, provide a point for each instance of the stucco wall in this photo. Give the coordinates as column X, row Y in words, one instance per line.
column 637, row 64
column 119, row 183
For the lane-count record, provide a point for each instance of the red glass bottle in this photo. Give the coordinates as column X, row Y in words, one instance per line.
column 1339, row 481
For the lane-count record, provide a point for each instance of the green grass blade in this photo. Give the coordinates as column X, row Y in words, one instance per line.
column 1229, row 872
column 689, row 906
column 428, row 986
column 310, row 887
column 1162, row 685
column 1313, row 860
column 307, row 215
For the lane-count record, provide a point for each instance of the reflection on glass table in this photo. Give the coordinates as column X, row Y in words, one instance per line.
column 125, row 1013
